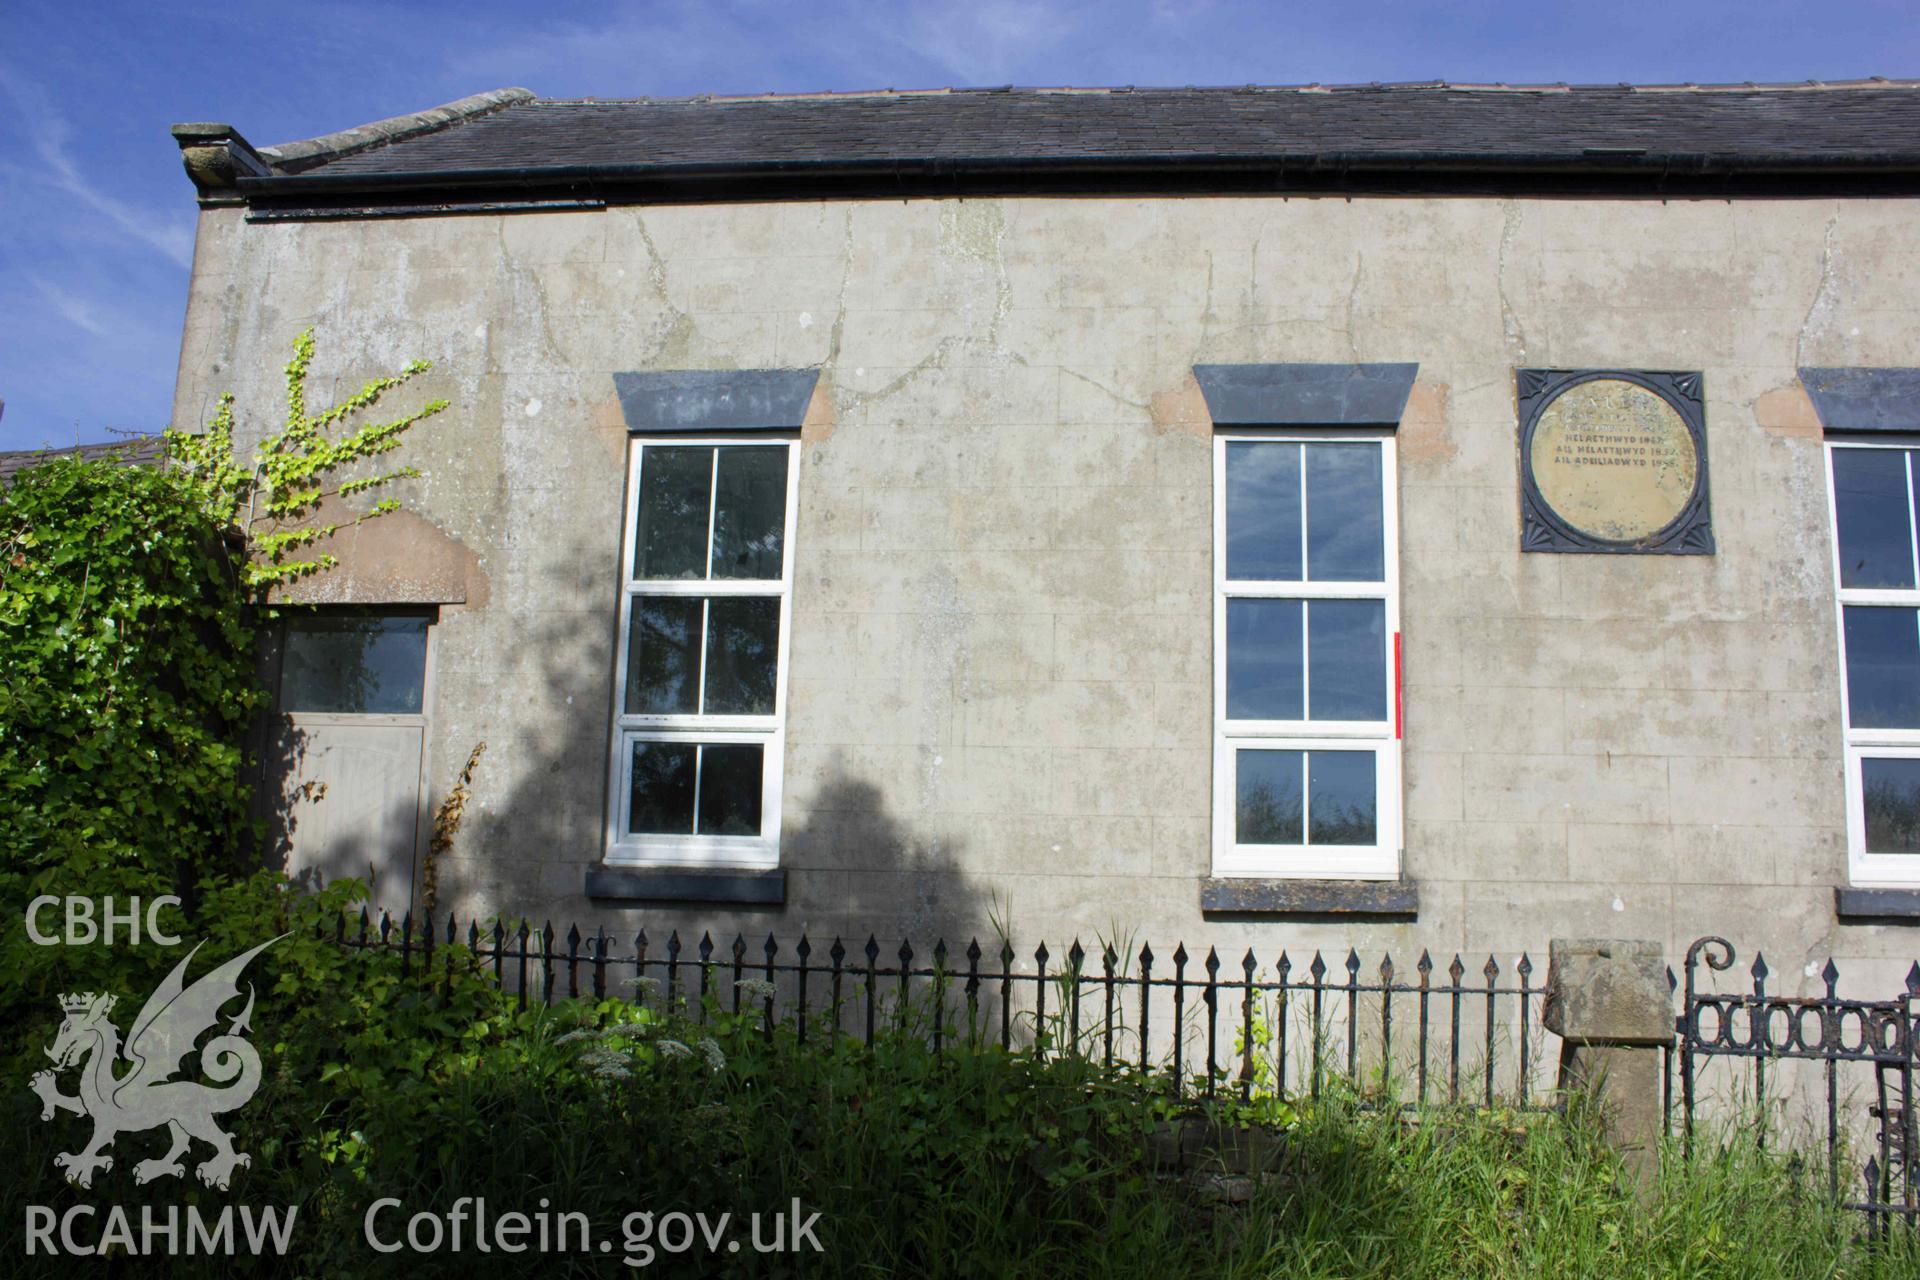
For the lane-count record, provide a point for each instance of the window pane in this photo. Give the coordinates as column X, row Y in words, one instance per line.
column 1346, row 536
column 1347, row 657
column 743, row 651
column 1264, row 667
column 663, row 656
column 1883, row 668
column 354, row 664
column 662, row 789
column 1263, row 512
column 1892, row 789
column 1870, row 510
column 1267, row 797
column 1341, row 798
column 730, row 790
column 670, row 540
column 749, row 511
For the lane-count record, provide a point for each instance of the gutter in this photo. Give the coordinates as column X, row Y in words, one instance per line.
column 273, row 198
column 1595, row 160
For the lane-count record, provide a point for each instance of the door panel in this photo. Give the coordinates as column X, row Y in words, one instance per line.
column 350, row 803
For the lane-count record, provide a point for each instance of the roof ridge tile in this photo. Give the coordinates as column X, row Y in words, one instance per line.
column 292, row 157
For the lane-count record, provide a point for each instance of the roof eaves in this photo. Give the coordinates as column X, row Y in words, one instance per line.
column 599, row 178
column 216, row 157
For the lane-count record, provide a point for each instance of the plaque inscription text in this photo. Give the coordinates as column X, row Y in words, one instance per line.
column 1613, row 462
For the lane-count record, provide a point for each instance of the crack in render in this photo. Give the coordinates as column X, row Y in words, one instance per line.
column 1515, row 333
column 1107, row 391
column 656, row 265
column 995, row 260
column 1210, row 326
column 1825, row 294
column 1206, row 307
column 934, row 359
column 1353, row 294
column 521, row 282
column 839, row 329
column 676, row 321
column 1002, row 293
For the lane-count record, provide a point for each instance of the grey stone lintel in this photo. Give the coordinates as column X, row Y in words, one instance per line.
column 1865, row 399
column 715, row 400
column 1304, row 395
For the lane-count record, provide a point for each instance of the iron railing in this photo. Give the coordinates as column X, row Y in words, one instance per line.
column 1841, row 1040
column 1433, row 1037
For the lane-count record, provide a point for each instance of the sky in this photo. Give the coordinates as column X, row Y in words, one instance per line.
column 97, row 217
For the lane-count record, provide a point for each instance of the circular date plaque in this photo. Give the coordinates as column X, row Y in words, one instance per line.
column 1613, row 465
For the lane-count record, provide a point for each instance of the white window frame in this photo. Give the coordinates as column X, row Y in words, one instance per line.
column 1379, row 861
column 770, row 731
column 1869, row 870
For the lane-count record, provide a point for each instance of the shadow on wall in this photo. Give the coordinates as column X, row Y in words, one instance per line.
column 536, row 684
column 337, row 801
column 890, row 879
column 283, row 786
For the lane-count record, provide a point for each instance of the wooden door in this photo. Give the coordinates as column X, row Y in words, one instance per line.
column 349, row 753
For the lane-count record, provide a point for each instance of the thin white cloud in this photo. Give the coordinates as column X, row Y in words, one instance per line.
column 993, row 42
column 74, row 310
column 50, row 136
column 1169, row 12
column 682, row 47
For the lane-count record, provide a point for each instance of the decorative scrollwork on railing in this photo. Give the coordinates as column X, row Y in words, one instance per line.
column 1707, row 945
column 1764, row 1025
column 1758, row 1029
column 1792, row 1027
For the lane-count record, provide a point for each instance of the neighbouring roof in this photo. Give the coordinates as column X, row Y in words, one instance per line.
column 133, row 450
column 509, row 146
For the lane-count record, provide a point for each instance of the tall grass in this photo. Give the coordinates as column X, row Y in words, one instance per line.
column 1542, row 1195
column 973, row 1163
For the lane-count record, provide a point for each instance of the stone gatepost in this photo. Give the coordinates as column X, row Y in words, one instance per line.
column 1608, row 999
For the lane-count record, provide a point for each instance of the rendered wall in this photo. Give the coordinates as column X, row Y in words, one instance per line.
column 1000, row 698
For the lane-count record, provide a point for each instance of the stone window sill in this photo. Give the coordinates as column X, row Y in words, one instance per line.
column 685, row 884
column 1229, row 897
column 1877, row 906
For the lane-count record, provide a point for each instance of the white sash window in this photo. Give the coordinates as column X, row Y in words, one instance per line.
column 1877, row 575
column 1306, row 638
column 700, row 693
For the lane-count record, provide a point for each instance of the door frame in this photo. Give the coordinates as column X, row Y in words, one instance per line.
column 282, row 718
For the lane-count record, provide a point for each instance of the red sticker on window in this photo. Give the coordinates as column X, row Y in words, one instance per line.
column 1396, row 686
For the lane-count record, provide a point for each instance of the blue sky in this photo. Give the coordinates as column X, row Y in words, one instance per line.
column 96, row 217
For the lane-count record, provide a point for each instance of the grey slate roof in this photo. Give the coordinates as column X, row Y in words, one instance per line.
column 1175, row 123
column 510, row 141
column 134, row 451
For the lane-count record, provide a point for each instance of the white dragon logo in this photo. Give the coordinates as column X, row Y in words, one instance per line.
column 146, row 1097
